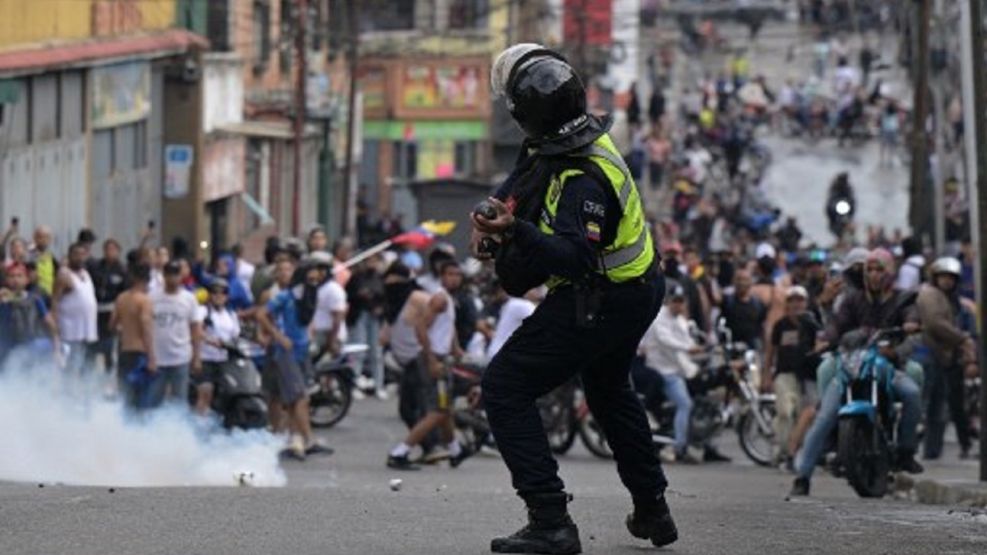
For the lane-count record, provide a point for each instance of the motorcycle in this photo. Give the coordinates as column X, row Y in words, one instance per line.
column 238, row 397
column 725, row 394
column 331, row 393
column 868, row 417
column 840, row 205
column 557, row 409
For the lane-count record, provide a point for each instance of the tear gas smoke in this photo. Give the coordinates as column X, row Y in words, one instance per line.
column 54, row 428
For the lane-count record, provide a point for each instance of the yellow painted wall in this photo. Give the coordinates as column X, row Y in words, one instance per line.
column 29, row 21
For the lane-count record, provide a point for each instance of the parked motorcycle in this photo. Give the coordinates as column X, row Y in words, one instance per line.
column 238, row 397
column 331, row 394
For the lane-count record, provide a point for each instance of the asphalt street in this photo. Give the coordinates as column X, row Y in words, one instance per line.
column 343, row 504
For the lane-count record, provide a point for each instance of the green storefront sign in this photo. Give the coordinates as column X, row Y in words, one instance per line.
column 456, row 130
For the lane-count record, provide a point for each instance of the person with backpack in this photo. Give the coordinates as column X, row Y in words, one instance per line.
column 25, row 322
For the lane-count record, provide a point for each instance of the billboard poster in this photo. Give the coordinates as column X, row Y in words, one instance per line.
column 429, row 87
column 121, row 93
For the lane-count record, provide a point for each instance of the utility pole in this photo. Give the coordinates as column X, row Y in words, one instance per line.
column 976, row 22
column 919, row 206
column 301, row 21
column 349, row 183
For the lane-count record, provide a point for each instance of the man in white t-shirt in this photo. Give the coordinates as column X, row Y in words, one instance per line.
column 177, row 327
column 329, row 321
column 513, row 311
column 220, row 327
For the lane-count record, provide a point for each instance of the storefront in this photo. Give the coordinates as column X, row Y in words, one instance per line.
column 424, row 118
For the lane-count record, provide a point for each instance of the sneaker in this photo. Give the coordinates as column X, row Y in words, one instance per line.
column 295, row 449
column 964, row 452
column 910, row 465
column 800, row 488
column 465, row 452
column 382, row 395
column 401, row 463
column 319, row 448
column 434, row 456
column 711, row 455
column 685, row 457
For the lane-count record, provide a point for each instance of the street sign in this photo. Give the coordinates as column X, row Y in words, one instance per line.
column 178, row 167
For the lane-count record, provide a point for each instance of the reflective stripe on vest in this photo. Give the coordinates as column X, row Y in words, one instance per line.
column 632, row 251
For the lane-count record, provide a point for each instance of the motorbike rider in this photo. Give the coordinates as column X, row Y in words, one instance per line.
column 667, row 346
column 840, row 204
column 569, row 216
column 877, row 306
column 220, row 326
column 949, row 348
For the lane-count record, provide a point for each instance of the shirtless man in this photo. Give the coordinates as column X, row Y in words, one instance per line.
column 433, row 335
column 133, row 318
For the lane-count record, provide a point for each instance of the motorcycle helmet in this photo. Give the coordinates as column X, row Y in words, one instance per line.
column 946, row 265
column 542, row 91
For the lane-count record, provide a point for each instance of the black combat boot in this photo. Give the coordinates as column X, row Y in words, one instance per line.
column 550, row 531
column 651, row 520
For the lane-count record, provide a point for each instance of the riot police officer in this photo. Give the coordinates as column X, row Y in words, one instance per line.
column 569, row 216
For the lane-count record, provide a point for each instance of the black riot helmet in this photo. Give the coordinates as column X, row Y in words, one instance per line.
column 543, row 92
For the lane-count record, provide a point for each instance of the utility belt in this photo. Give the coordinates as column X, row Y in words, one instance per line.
column 590, row 291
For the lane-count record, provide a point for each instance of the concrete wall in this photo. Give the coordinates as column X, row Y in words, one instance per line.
column 183, row 105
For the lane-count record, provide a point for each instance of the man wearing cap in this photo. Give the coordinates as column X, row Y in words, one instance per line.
column 177, row 327
column 791, row 354
column 220, row 326
column 569, row 216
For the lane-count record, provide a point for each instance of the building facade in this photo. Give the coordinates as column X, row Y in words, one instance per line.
column 84, row 105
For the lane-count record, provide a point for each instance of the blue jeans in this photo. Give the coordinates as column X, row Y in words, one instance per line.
column 367, row 331
column 174, row 378
column 677, row 391
column 905, row 390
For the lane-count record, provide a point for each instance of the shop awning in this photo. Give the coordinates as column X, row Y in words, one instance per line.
column 282, row 130
column 48, row 56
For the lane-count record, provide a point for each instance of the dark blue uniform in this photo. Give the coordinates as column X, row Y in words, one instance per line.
column 551, row 346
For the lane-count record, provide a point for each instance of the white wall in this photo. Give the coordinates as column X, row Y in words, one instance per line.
column 626, row 30
column 223, row 89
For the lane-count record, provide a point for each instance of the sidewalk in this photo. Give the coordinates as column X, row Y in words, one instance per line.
column 948, row 481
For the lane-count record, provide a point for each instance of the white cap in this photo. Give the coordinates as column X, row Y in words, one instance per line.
column 765, row 249
column 797, row 291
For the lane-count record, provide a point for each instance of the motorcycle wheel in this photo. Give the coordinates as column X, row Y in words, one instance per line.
column 864, row 456
column 559, row 422
column 247, row 413
column 593, row 438
column 756, row 445
column 330, row 402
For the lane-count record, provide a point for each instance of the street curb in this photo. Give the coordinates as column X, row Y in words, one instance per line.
column 942, row 492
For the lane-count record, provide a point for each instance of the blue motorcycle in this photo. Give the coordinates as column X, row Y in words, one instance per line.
column 867, row 419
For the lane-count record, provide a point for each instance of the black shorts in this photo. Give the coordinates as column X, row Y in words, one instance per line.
column 209, row 374
column 436, row 392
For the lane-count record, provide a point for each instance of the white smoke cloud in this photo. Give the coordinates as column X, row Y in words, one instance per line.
column 59, row 430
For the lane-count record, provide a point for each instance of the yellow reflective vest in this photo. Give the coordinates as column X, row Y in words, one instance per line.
column 632, row 251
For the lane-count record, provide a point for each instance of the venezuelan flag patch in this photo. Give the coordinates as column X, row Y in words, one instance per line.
column 593, row 231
